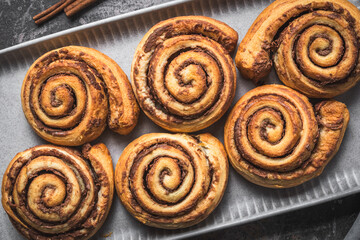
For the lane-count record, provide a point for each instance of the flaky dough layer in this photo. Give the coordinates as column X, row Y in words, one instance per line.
column 69, row 94
column 182, row 74
column 314, row 45
column 275, row 139
column 172, row 180
column 59, row 193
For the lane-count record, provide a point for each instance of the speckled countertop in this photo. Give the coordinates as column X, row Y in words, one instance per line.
column 331, row 220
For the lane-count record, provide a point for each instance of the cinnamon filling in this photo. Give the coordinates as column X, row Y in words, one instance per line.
column 147, row 151
column 162, row 106
column 78, row 228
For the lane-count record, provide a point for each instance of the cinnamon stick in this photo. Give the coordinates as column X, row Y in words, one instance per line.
column 51, row 11
column 70, row 7
column 77, row 6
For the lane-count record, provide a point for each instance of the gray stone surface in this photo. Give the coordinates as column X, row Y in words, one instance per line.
column 327, row 221
column 17, row 26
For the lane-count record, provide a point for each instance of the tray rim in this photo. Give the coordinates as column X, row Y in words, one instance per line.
column 199, row 231
column 270, row 213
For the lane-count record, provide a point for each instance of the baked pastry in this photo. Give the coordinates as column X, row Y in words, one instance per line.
column 275, row 139
column 52, row 192
column 182, row 74
column 314, row 44
column 172, row 180
column 69, row 93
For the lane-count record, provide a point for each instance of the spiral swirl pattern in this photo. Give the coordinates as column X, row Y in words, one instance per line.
column 274, row 139
column 172, row 181
column 182, row 73
column 68, row 94
column 315, row 53
column 57, row 193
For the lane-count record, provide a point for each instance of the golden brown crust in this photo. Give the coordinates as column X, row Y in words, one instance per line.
column 182, row 74
column 172, row 180
column 314, row 44
column 275, row 139
column 69, row 93
column 59, row 193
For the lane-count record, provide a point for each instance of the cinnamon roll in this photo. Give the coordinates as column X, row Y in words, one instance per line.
column 314, row 44
column 182, row 74
column 69, row 93
column 52, row 192
column 275, row 139
column 172, row 180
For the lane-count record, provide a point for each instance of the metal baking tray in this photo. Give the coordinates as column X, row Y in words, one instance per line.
column 118, row 37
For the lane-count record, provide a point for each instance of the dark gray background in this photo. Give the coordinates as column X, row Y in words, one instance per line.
column 327, row 221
